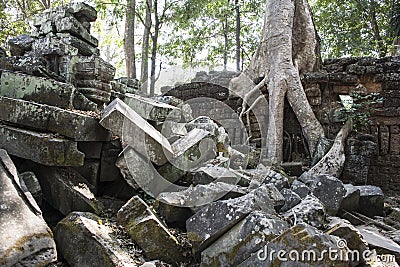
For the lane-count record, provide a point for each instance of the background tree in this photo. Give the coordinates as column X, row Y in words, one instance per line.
column 129, row 39
column 354, row 27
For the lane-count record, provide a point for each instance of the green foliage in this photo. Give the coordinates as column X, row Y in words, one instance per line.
column 360, row 110
column 345, row 26
column 16, row 14
column 196, row 33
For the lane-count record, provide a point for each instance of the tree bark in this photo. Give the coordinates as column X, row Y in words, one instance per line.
column 144, row 74
column 129, row 40
column 288, row 47
column 154, row 39
column 237, row 33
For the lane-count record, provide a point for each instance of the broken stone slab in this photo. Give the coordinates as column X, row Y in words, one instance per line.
column 26, row 240
column 266, row 175
column 211, row 173
column 204, row 123
column 193, row 150
column 81, row 102
column 328, row 189
column 135, row 131
column 138, row 172
column 33, row 185
column 39, row 147
column 312, row 247
column 371, row 200
column 291, row 199
column 243, row 239
column 94, row 68
column 37, row 89
column 376, row 240
column 152, row 110
column 73, row 26
column 200, row 195
column 310, row 210
column 81, row 11
column 215, row 219
column 66, row 190
column 91, row 172
column 351, row 199
column 174, row 216
column 21, row 44
column 148, row 232
column 85, row 239
column 172, row 130
column 300, row 188
column 352, row 237
column 46, row 118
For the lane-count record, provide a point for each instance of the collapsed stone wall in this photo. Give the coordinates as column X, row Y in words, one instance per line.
column 378, row 145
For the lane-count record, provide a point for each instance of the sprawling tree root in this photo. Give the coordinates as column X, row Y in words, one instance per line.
column 289, row 47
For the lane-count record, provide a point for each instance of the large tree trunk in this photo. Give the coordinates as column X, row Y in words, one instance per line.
column 129, row 40
column 288, row 48
column 237, row 35
column 154, row 39
column 144, row 74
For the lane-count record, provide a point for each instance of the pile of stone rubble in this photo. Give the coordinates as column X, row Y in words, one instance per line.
column 142, row 182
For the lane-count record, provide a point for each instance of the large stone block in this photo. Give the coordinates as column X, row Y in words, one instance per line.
column 39, row 147
column 26, row 240
column 151, row 109
column 74, row 27
column 52, row 45
column 135, row 131
column 21, row 44
column 94, row 68
column 215, row 219
column 37, row 89
column 300, row 238
column 243, row 239
column 51, row 119
column 66, row 190
column 148, row 232
column 310, row 210
column 371, row 200
column 84, row 240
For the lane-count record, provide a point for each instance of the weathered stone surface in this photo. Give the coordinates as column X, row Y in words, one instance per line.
column 140, row 173
column 40, row 148
column 200, row 195
column 243, row 239
column 102, row 86
column 33, row 185
column 46, row 118
column 67, row 191
column 37, row 89
column 173, row 215
column 204, row 123
column 72, row 26
column 121, row 120
column 51, row 45
column 151, row 109
column 310, row 210
column 328, row 189
column 351, row 198
column 84, row 240
column 300, row 188
column 211, row 173
column 371, row 200
column 25, row 238
column 300, row 238
column 376, row 240
column 81, row 102
column 148, row 232
column 94, row 68
column 193, row 149
column 21, row 44
column 291, row 199
column 266, row 175
column 347, row 232
column 215, row 219
column 96, row 95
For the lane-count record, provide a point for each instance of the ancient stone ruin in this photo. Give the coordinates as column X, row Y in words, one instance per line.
column 95, row 173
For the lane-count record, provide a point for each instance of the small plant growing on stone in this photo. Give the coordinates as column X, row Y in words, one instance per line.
column 359, row 107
